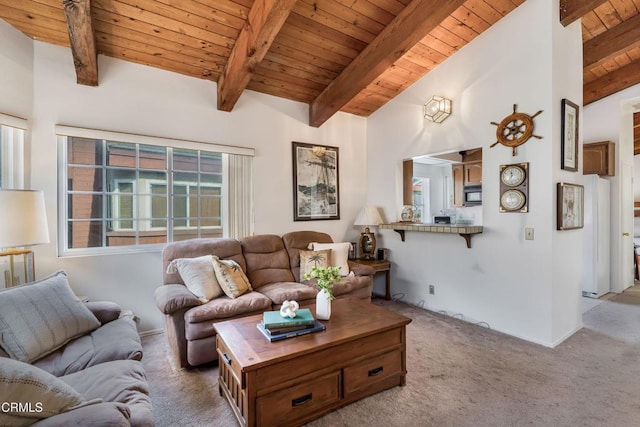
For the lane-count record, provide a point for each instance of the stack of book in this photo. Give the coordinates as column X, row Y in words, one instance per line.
column 276, row 327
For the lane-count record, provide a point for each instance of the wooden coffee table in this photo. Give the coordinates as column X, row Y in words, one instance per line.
column 291, row 382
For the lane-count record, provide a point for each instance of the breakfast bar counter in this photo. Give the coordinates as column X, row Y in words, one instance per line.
column 464, row 230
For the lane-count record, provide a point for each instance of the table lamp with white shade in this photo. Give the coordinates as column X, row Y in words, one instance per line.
column 369, row 216
column 23, row 223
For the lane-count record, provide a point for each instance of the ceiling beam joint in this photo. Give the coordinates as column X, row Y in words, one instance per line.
column 264, row 22
column 82, row 40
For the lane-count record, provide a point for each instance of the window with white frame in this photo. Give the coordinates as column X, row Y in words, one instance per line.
column 136, row 195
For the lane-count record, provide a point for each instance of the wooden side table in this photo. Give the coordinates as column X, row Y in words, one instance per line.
column 379, row 266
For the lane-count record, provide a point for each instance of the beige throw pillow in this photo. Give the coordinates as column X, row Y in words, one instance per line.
column 231, row 278
column 339, row 255
column 310, row 259
column 198, row 276
column 38, row 393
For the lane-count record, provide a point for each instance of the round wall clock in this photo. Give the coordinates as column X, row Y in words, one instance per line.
column 513, row 175
column 515, row 129
column 512, row 200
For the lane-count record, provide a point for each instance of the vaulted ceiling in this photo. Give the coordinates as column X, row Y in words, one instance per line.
column 336, row 55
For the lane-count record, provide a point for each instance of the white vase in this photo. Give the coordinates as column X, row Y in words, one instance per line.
column 323, row 305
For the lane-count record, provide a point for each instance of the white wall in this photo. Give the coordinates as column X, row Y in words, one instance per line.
column 137, row 99
column 502, row 280
column 16, row 88
column 16, row 71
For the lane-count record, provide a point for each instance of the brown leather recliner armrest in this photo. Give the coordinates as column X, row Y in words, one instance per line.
column 361, row 270
column 172, row 298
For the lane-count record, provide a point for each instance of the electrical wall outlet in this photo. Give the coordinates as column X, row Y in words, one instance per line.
column 528, row 233
column 432, row 290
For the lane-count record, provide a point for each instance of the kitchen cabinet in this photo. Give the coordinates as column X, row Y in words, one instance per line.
column 472, row 173
column 599, row 158
column 467, row 173
column 457, row 171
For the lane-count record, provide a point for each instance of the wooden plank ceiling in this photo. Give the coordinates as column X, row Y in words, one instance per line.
column 336, row 55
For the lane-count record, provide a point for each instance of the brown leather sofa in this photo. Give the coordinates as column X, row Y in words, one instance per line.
column 272, row 264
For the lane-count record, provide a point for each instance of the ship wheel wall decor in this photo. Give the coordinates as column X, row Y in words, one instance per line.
column 515, row 129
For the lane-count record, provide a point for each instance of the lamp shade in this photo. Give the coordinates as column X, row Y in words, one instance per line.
column 369, row 215
column 23, row 220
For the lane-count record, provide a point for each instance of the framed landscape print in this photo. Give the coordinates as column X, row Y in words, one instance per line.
column 315, row 182
column 569, row 140
column 570, row 206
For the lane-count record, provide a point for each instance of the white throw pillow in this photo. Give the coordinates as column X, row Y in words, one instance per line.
column 339, row 255
column 39, row 317
column 31, row 393
column 198, row 276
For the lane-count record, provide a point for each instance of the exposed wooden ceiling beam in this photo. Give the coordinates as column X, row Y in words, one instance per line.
column 409, row 27
column 82, row 39
column 612, row 82
column 265, row 20
column 623, row 36
column 572, row 10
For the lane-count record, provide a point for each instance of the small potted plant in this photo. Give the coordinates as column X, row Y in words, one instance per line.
column 327, row 277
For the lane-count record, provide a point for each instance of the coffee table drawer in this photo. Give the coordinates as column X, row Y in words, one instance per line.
column 291, row 404
column 372, row 370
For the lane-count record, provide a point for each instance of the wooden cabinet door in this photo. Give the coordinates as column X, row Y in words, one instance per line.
column 473, row 173
column 599, row 158
column 458, row 185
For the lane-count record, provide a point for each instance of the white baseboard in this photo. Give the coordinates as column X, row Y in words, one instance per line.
column 151, row 332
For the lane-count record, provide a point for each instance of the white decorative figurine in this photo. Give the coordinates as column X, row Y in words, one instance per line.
column 289, row 309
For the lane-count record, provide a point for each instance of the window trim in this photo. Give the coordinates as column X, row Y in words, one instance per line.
column 63, row 132
column 13, row 121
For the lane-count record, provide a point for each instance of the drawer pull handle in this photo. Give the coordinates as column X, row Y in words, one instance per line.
column 227, row 358
column 299, row 401
column 376, row 371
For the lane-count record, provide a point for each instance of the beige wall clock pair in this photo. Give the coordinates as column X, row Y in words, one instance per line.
column 514, row 187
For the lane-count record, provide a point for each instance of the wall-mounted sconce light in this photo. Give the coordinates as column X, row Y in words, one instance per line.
column 437, row 109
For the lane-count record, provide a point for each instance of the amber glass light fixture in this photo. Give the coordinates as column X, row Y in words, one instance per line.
column 437, row 109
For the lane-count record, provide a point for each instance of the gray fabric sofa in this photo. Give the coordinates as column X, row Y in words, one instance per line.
column 272, row 265
column 101, row 365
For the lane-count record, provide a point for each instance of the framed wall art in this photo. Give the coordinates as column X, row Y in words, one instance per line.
column 570, row 206
column 569, row 139
column 316, row 193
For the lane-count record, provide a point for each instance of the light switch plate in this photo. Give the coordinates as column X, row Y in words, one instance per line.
column 528, row 233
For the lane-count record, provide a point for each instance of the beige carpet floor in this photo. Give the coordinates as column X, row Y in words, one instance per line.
column 459, row 374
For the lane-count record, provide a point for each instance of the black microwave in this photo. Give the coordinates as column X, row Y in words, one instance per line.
column 472, row 195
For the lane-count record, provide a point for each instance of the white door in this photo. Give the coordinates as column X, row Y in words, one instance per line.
column 626, row 242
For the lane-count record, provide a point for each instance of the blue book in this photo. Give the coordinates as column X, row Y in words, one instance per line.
column 317, row 327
